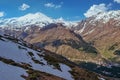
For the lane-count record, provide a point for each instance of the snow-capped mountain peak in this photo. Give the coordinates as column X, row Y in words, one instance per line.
column 101, row 21
column 36, row 19
column 37, row 16
column 106, row 16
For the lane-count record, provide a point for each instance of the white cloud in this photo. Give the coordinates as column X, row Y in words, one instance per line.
column 95, row 9
column 118, row 1
column 23, row 7
column 51, row 5
column 1, row 14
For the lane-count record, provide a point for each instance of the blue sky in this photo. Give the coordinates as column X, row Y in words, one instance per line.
column 68, row 9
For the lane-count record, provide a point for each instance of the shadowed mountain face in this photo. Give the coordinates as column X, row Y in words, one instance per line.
column 110, row 71
column 57, row 38
column 103, row 32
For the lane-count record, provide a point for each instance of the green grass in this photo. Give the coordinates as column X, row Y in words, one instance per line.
column 113, row 47
column 37, row 61
column 52, row 61
column 31, row 54
column 107, row 54
column 83, row 74
column 88, row 49
column 33, row 75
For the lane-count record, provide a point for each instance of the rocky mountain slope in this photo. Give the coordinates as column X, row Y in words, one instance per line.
column 20, row 60
column 58, row 39
column 103, row 30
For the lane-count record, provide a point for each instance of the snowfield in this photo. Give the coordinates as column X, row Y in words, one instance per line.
column 20, row 54
column 8, row 72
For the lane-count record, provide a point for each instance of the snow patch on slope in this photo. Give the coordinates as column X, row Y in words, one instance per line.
column 89, row 32
column 66, row 23
column 80, row 31
column 8, row 72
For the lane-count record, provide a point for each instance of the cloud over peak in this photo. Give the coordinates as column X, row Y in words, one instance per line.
column 24, row 7
column 95, row 9
column 51, row 5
